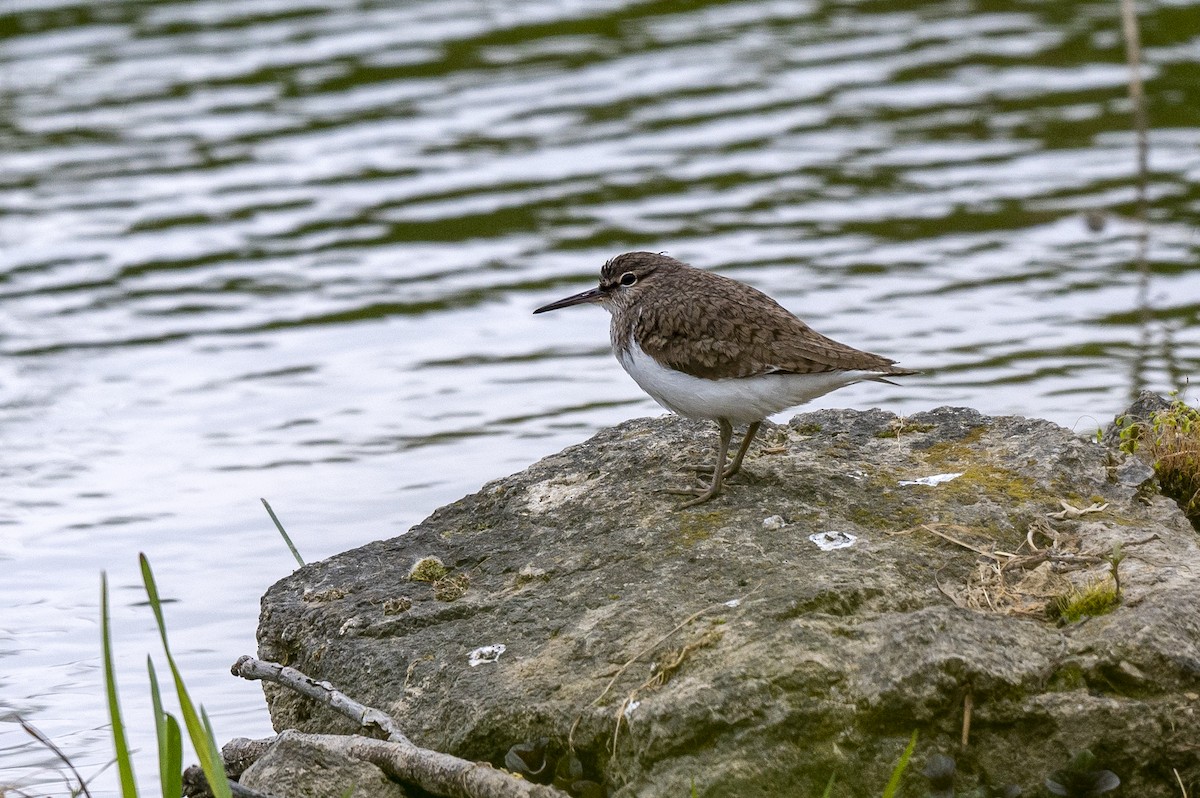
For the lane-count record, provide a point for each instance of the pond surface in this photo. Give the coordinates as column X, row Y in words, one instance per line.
column 252, row 248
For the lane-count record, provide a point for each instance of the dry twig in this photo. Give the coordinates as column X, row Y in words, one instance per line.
column 253, row 669
column 435, row 772
column 968, row 705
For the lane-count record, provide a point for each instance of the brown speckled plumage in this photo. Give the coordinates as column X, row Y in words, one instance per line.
column 710, row 326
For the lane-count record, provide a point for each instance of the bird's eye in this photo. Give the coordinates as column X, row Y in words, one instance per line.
column 628, row 278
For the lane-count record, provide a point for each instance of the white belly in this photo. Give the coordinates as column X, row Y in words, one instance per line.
column 740, row 400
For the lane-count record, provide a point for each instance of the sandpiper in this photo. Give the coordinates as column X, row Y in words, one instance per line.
column 706, row 346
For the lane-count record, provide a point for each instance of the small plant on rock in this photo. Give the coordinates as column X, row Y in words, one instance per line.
column 1170, row 440
column 1097, row 598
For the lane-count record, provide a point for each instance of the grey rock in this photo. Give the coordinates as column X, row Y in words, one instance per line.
column 1135, row 472
column 704, row 647
column 301, row 767
column 1143, row 409
column 240, row 753
column 1115, row 436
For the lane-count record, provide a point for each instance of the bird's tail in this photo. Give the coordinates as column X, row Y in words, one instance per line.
column 893, row 372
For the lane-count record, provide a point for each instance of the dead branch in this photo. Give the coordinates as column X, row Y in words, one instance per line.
column 323, row 693
column 435, row 772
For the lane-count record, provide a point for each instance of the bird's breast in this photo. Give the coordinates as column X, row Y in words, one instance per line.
column 741, row 400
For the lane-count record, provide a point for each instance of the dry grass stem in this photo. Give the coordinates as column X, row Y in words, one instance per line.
column 1029, row 581
column 643, row 652
column 661, row 675
column 968, row 705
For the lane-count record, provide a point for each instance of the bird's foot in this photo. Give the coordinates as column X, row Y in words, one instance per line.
column 706, row 469
column 700, row 494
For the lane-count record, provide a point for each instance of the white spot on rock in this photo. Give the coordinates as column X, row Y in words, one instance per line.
column 733, row 603
column 828, row 541
column 631, row 707
column 774, row 522
column 486, row 654
column 936, row 479
column 545, row 496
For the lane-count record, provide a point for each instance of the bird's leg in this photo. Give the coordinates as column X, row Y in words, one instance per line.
column 702, row 495
column 736, row 465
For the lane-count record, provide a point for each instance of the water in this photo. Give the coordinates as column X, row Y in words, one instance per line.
column 289, row 250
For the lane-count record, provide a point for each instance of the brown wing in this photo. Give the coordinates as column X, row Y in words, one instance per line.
column 743, row 333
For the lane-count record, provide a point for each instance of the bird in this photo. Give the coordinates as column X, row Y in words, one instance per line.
column 706, row 346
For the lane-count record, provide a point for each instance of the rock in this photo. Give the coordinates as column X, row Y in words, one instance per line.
column 300, row 766
column 1134, row 472
column 1144, row 408
column 705, row 647
column 240, row 753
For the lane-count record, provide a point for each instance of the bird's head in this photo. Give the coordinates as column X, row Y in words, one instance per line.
column 622, row 280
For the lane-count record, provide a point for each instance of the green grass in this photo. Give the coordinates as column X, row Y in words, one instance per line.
column 167, row 728
column 1097, row 598
column 120, row 741
column 170, row 741
column 283, row 533
column 893, row 784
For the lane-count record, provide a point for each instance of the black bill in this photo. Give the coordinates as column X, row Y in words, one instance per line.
column 584, row 297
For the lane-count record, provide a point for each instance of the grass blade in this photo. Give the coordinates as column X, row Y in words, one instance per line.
column 173, row 780
column 170, row 741
column 829, row 787
column 894, row 782
column 284, row 534
column 212, row 736
column 199, row 731
column 33, row 732
column 120, row 742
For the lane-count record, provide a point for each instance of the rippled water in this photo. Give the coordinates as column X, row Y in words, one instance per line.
column 290, row 249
